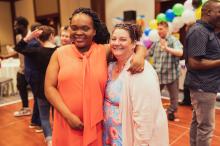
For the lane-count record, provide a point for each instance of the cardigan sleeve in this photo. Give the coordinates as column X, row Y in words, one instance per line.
column 25, row 49
column 145, row 100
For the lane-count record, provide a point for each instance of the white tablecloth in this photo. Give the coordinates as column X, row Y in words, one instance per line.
column 9, row 68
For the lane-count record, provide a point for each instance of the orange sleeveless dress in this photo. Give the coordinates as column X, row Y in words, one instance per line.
column 81, row 84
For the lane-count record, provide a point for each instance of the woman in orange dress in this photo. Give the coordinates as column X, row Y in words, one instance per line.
column 75, row 82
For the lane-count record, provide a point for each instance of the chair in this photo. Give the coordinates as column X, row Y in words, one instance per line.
column 6, row 87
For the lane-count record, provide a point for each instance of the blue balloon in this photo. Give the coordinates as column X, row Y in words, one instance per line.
column 147, row 31
column 170, row 15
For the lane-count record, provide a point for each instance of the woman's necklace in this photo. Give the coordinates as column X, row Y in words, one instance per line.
column 118, row 68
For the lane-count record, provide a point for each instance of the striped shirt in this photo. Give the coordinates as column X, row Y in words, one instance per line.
column 165, row 64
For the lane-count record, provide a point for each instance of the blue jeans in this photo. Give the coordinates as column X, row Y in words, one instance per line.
column 44, row 109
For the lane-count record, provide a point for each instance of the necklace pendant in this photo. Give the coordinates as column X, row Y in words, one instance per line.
column 119, row 69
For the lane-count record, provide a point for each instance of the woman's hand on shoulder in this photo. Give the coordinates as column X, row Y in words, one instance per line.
column 137, row 61
column 137, row 64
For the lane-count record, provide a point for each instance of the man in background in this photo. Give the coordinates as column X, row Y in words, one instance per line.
column 166, row 54
column 21, row 30
column 202, row 56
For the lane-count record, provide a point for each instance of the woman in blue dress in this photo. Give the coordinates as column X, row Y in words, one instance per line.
column 133, row 111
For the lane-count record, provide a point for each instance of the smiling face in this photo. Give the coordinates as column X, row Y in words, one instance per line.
column 211, row 13
column 215, row 15
column 82, row 30
column 121, row 44
column 162, row 31
column 65, row 37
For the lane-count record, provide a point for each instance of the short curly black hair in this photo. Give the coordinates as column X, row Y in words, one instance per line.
column 102, row 34
column 22, row 21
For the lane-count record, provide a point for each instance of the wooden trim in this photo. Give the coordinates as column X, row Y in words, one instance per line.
column 13, row 15
column 47, row 16
column 59, row 13
column 8, row 0
column 99, row 7
column 35, row 10
column 162, row 5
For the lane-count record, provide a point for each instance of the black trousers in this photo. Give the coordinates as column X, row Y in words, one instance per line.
column 186, row 95
column 33, row 79
column 22, row 89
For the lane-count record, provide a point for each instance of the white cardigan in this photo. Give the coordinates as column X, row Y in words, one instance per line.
column 144, row 121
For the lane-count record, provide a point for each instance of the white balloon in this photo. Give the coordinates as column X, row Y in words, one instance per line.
column 177, row 23
column 154, row 36
column 143, row 37
column 175, row 29
column 188, row 5
column 188, row 17
column 170, row 26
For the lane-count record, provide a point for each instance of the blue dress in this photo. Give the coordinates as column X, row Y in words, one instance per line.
column 112, row 134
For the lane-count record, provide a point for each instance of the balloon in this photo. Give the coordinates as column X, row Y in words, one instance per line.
column 154, row 36
column 147, row 43
column 204, row 1
column 178, row 9
column 153, row 24
column 169, row 15
column 170, row 26
column 161, row 17
column 147, row 31
column 188, row 5
column 151, row 60
column 198, row 12
column 188, row 16
column 140, row 22
column 177, row 24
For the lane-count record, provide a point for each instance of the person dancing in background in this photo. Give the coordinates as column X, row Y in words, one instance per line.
column 40, row 57
column 166, row 54
column 21, row 30
column 65, row 35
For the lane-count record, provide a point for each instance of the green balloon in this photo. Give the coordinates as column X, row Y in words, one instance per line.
column 178, row 9
column 204, row 1
column 161, row 17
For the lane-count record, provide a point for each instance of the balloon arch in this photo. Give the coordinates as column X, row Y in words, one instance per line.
column 177, row 17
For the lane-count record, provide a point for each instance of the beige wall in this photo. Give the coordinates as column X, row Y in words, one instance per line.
column 22, row 8
column 6, row 34
column 68, row 6
column 25, row 8
column 115, row 8
column 45, row 7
